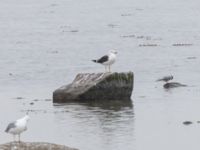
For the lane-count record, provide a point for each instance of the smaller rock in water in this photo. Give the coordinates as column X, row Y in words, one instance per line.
column 187, row 122
column 173, row 85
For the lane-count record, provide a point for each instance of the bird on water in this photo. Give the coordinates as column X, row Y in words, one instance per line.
column 166, row 78
column 107, row 60
column 18, row 126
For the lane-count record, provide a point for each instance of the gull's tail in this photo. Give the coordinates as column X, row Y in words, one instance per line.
column 6, row 130
column 94, row 61
column 159, row 80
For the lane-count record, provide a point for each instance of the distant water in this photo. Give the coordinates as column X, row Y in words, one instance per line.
column 44, row 44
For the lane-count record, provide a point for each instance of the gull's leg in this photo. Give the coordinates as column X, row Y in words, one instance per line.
column 14, row 137
column 109, row 68
column 19, row 137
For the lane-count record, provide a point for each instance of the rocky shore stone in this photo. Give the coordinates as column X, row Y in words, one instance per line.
column 96, row 86
column 33, row 146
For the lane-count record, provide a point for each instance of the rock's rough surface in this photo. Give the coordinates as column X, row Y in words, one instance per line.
column 96, row 86
column 33, row 146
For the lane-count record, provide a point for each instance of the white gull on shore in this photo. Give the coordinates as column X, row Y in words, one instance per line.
column 18, row 126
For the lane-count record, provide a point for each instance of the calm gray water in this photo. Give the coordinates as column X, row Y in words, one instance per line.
column 44, row 44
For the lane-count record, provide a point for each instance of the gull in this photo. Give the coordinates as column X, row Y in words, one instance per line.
column 107, row 60
column 18, row 126
column 166, row 78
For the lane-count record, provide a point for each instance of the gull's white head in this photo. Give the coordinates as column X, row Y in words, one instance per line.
column 113, row 52
column 26, row 117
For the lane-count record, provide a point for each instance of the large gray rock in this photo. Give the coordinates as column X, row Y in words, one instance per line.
column 33, row 146
column 96, row 86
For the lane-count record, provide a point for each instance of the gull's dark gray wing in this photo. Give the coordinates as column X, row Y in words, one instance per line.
column 103, row 59
column 10, row 126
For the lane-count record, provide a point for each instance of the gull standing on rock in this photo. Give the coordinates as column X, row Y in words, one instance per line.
column 18, row 126
column 107, row 60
